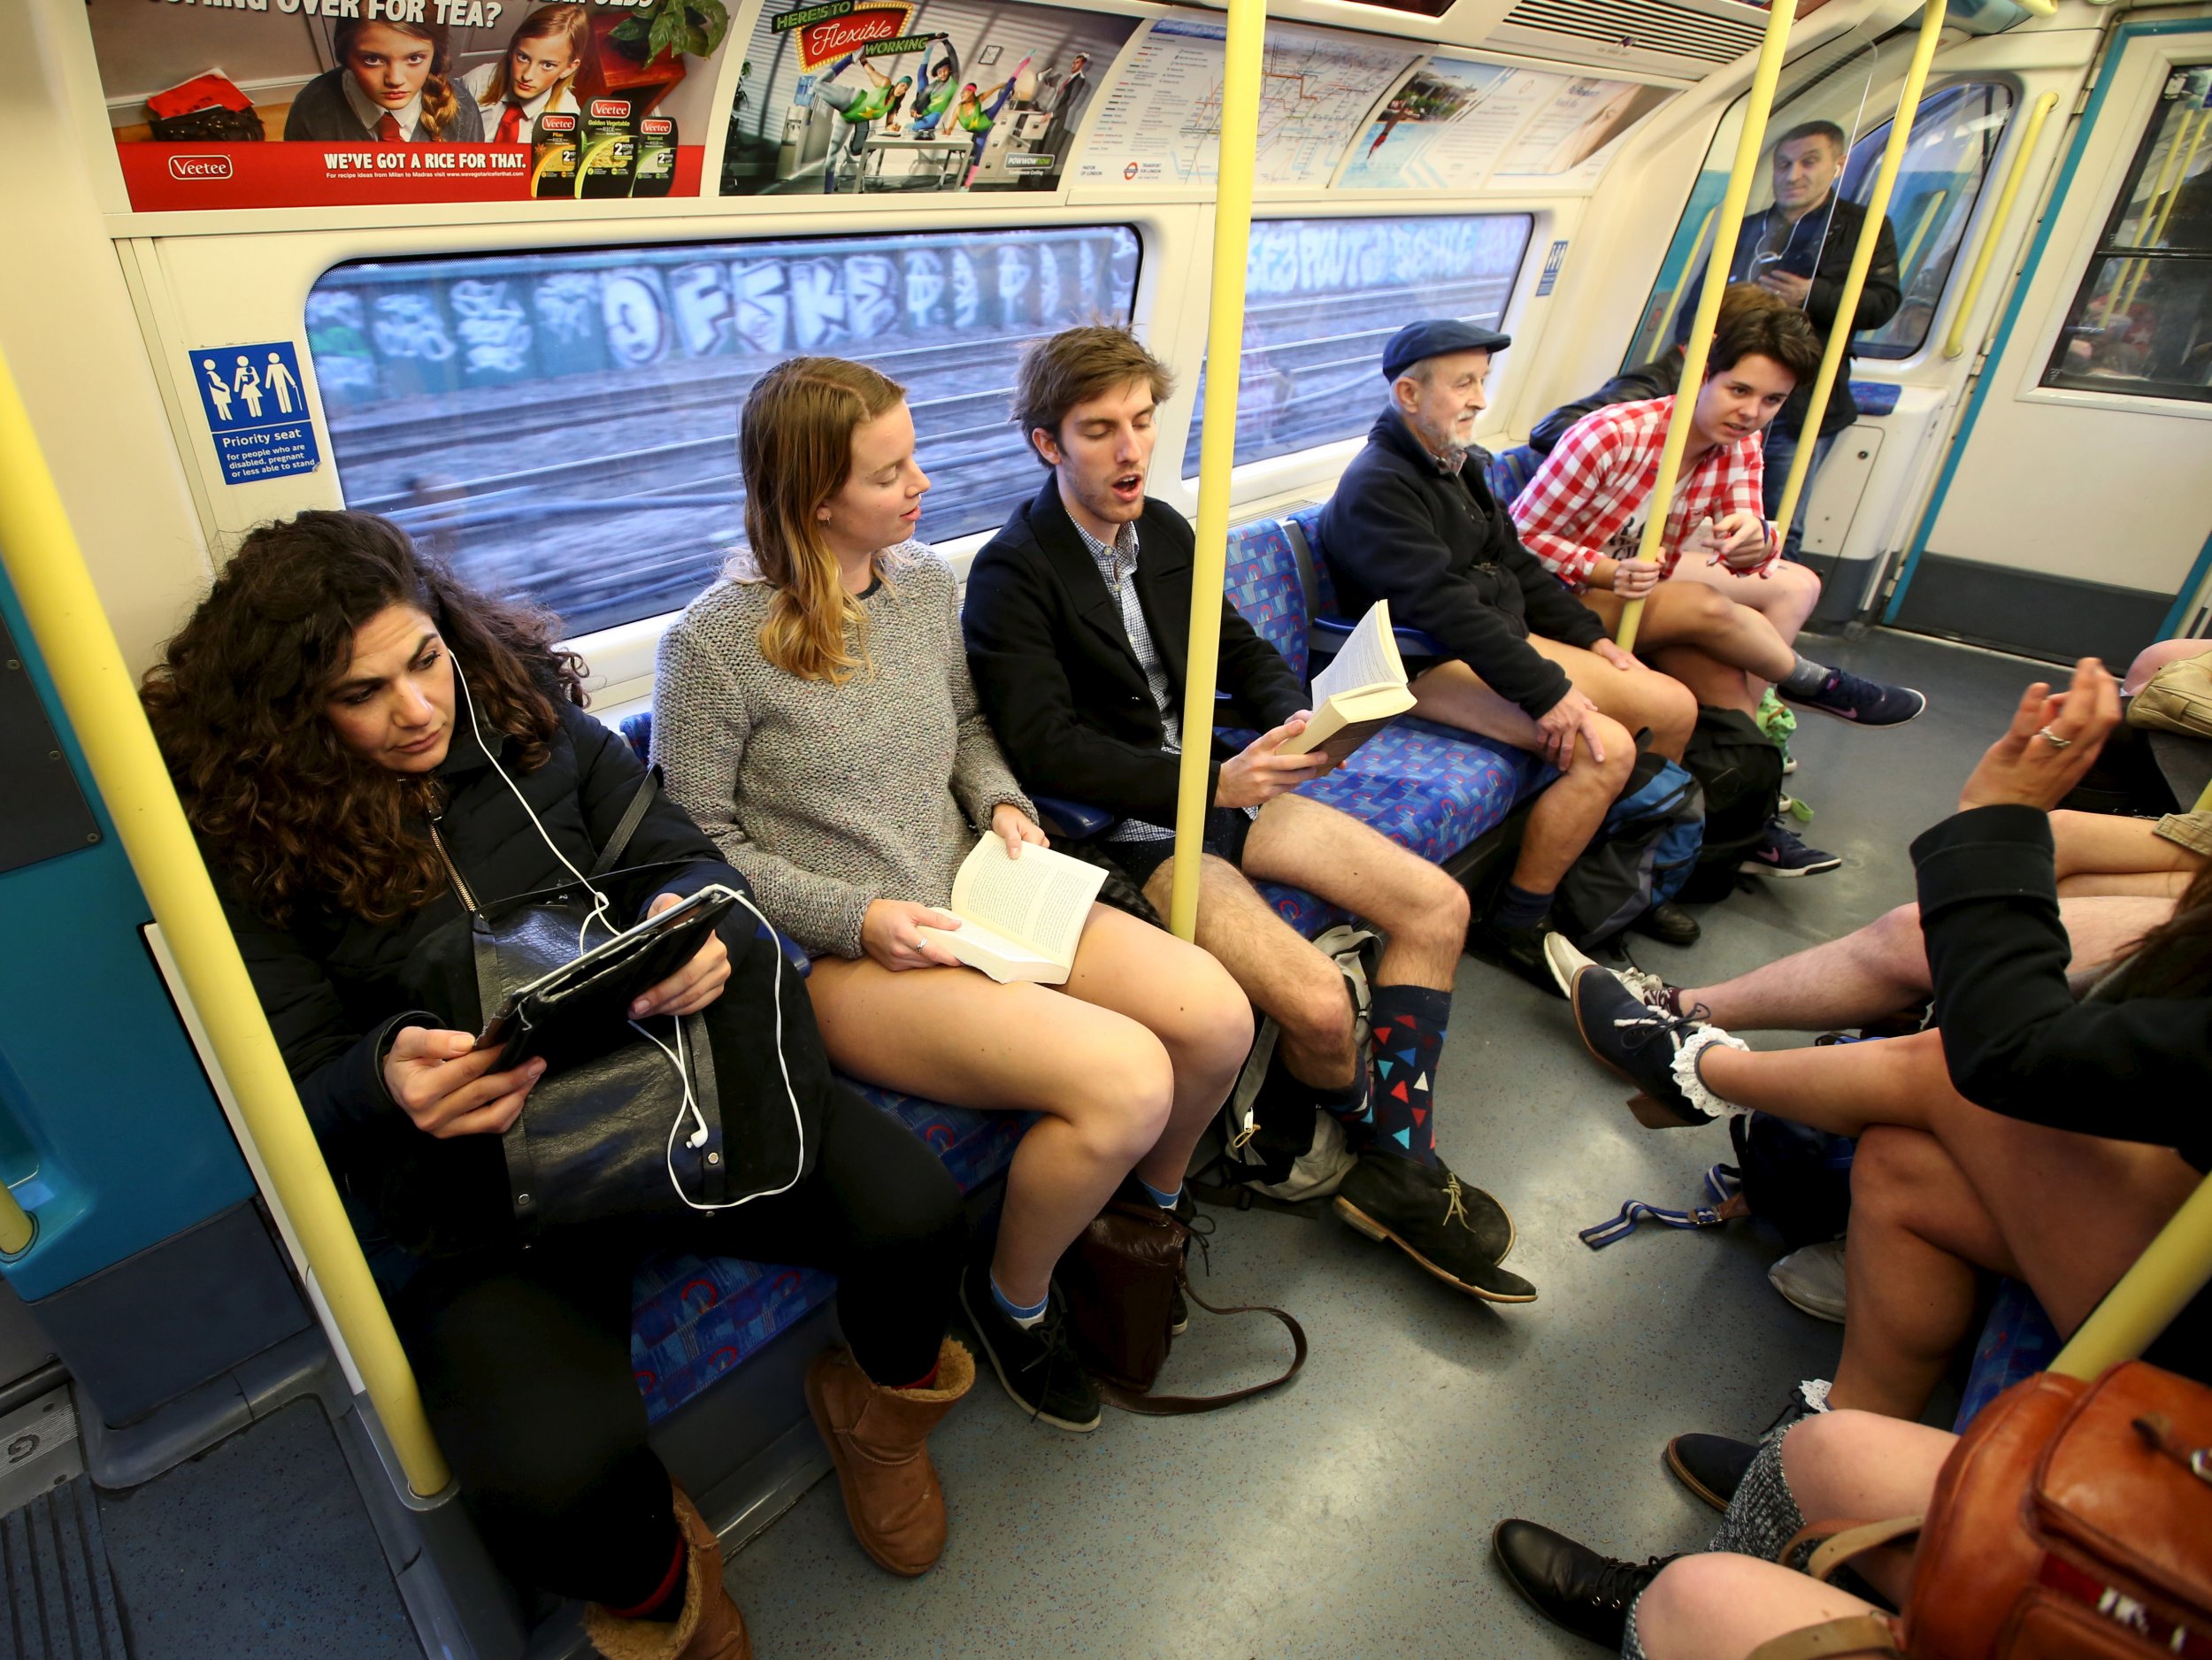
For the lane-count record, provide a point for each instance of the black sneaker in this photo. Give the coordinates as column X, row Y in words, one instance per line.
column 1570, row 1585
column 1863, row 702
column 1517, row 951
column 1035, row 1363
column 1783, row 857
column 1178, row 1313
column 1455, row 1231
column 1648, row 1046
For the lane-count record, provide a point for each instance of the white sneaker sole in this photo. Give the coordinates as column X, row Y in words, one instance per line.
column 1752, row 868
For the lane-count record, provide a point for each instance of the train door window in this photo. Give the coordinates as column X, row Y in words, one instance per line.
column 2141, row 323
column 1322, row 297
column 562, row 425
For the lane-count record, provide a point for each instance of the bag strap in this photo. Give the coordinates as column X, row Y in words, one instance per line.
column 626, row 826
column 1182, row 1405
column 1836, row 1543
column 714, row 1158
column 1857, row 1634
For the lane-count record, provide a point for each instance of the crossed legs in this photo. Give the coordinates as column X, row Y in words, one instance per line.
column 1723, row 649
column 1124, row 1065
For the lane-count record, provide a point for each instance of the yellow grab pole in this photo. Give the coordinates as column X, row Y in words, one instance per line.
column 1919, row 231
column 2165, row 210
column 1954, row 343
column 2172, row 1269
column 2204, row 801
column 17, row 1229
column 1862, row 259
column 48, row 569
column 2123, row 289
column 1218, row 444
column 1760, row 100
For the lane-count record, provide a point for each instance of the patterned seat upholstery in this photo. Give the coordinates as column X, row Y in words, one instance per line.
column 695, row 1319
column 2018, row 1342
column 1265, row 586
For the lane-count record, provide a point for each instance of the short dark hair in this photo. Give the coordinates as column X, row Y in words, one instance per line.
column 1076, row 365
column 1778, row 332
column 1828, row 130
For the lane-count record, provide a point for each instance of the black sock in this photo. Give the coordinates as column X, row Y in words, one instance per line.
column 1283, row 1091
column 1516, row 908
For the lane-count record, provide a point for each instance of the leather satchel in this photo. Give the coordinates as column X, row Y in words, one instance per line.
column 2073, row 1521
column 1120, row 1277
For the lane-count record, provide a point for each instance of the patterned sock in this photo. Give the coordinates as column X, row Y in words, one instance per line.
column 1409, row 1039
column 1762, row 1517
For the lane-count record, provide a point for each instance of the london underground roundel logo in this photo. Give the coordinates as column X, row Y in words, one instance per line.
column 1130, row 172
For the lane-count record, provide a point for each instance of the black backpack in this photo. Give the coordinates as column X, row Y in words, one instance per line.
column 1642, row 854
column 1740, row 768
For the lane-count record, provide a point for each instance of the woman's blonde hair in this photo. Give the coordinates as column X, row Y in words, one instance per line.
column 794, row 446
column 439, row 103
column 546, row 23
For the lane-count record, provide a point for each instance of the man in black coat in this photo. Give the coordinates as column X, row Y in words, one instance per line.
column 1799, row 249
column 1413, row 521
column 1077, row 621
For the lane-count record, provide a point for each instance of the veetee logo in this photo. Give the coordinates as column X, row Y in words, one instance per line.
column 611, row 109
column 199, row 166
column 825, row 42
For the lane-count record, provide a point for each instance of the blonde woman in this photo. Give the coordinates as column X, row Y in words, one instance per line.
column 536, row 76
column 814, row 712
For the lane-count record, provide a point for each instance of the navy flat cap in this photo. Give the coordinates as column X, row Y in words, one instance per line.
column 1434, row 338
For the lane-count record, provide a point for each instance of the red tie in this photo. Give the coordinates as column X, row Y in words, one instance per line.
column 510, row 125
column 387, row 129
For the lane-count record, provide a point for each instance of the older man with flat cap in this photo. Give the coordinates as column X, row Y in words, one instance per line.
column 1413, row 521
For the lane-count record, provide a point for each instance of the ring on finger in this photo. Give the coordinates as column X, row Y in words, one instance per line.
column 2054, row 740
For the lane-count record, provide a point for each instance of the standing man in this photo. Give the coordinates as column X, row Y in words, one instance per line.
column 1077, row 620
column 1799, row 249
column 1067, row 98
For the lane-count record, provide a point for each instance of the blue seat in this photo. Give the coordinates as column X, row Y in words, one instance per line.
column 2018, row 1342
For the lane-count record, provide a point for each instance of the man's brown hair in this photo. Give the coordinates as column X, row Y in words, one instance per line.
column 1076, row 365
column 1779, row 332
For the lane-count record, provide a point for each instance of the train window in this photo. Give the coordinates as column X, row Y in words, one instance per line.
column 1954, row 137
column 1322, row 297
column 2142, row 322
column 562, row 424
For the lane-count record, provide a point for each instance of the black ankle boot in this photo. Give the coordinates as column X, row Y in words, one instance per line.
column 1570, row 1585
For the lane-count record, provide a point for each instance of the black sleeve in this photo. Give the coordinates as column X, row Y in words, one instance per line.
column 1630, row 386
column 1878, row 299
column 2013, row 1038
column 608, row 773
column 1396, row 549
column 1024, row 687
column 1553, row 610
column 1254, row 673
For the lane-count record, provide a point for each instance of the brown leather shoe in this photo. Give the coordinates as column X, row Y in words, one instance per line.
column 710, row 1628
column 878, row 1439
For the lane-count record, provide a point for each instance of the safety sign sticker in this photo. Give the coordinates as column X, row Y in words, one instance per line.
column 257, row 410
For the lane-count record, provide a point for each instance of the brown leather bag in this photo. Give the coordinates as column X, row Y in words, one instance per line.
column 1119, row 1278
column 2073, row 1521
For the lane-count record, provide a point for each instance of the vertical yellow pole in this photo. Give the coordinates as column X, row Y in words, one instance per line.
column 1225, row 356
column 1954, row 343
column 48, row 569
column 2122, row 293
column 17, row 1229
column 2172, row 1269
column 2202, row 120
column 1861, row 258
column 1764, row 79
column 1919, row 232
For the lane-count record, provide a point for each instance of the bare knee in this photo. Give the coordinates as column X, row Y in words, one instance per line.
column 1675, row 1613
column 1894, row 1174
column 1205, row 1019
column 1117, row 1095
column 1317, row 1014
column 1895, row 935
column 1427, row 907
column 1620, row 752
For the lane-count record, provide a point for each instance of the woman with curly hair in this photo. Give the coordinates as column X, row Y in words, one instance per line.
column 367, row 748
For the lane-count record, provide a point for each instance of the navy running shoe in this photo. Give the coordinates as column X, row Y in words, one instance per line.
column 1865, row 703
column 1783, row 855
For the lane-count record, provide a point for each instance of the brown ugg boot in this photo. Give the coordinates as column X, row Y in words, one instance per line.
column 878, row 1439
column 709, row 1628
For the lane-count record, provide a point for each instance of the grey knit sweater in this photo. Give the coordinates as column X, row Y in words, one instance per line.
column 825, row 797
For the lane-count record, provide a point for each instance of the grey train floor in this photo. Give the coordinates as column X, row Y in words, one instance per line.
column 1350, row 1515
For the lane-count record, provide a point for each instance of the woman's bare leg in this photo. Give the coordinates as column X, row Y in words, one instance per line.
column 2105, row 853
column 1718, row 1607
column 1857, row 1464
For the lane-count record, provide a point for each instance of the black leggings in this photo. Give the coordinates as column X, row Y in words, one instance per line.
column 523, row 1355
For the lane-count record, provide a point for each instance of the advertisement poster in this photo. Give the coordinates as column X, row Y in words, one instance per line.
column 1583, row 121
column 852, row 97
column 1163, row 124
column 1446, row 127
column 346, row 102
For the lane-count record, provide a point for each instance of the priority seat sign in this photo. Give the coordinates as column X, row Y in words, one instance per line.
column 257, row 410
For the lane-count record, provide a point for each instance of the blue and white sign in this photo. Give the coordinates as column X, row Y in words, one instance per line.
column 257, row 410
column 1552, row 260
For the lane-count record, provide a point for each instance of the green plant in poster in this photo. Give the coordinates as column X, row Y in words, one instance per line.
column 693, row 26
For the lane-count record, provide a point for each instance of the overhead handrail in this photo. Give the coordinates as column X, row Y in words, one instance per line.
column 1954, row 343
column 1862, row 259
column 1217, row 442
column 48, row 568
column 2172, row 1269
column 1758, row 103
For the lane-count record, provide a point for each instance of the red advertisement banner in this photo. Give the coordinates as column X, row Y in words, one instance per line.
column 165, row 178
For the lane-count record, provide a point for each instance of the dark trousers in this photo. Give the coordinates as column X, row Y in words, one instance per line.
column 523, row 1355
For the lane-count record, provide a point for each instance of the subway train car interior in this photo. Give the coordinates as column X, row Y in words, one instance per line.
column 673, row 989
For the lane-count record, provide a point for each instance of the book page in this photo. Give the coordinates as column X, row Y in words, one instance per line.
column 1369, row 657
column 1041, row 900
column 1003, row 959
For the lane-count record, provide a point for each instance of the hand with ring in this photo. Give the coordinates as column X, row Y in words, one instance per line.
column 2052, row 742
column 891, row 933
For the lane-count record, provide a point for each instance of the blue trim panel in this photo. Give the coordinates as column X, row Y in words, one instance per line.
column 2125, row 37
column 2189, row 585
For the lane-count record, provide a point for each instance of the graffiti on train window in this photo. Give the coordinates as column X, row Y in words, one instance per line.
column 879, row 97
column 1322, row 298
column 564, row 424
column 2142, row 322
column 253, row 106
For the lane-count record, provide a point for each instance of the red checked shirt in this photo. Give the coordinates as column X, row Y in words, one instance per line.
column 1596, row 487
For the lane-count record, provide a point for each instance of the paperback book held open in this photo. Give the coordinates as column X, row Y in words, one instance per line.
column 1020, row 919
column 1360, row 692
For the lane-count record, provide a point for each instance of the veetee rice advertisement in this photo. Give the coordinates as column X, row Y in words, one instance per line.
column 251, row 103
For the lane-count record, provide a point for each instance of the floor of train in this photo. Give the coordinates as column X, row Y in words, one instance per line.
column 1351, row 1514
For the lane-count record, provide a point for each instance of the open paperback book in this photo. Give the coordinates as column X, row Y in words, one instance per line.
column 1019, row 918
column 1360, row 692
